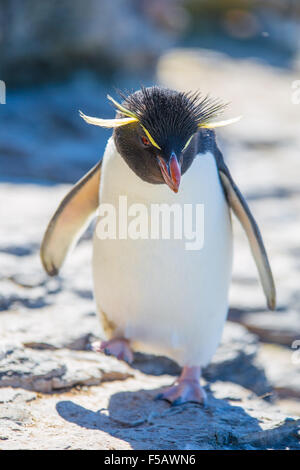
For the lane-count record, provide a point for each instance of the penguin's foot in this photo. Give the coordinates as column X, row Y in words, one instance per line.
column 118, row 347
column 186, row 389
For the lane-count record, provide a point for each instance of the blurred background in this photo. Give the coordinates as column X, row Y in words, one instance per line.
column 61, row 56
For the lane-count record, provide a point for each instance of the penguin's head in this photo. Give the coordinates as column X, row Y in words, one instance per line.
column 155, row 131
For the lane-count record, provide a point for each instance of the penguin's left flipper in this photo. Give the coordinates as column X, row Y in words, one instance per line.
column 243, row 213
column 70, row 220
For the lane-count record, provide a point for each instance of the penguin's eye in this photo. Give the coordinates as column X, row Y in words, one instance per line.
column 145, row 141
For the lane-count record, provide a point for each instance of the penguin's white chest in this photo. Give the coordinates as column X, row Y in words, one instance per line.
column 162, row 295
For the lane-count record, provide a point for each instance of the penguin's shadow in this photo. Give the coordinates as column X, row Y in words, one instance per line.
column 147, row 424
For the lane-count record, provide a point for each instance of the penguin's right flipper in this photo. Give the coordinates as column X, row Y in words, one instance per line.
column 240, row 208
column 70, row 220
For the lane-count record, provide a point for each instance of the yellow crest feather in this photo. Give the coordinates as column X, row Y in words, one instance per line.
column 121, row 108
column 150, row 137
column 213, row 125
column 110, row 123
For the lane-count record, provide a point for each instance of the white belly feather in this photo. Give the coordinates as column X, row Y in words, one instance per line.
column 167, row 300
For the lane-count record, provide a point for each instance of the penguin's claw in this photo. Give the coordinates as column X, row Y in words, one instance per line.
column 185, row 391
column 117, row 347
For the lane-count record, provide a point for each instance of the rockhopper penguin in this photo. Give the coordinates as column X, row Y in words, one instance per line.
column 154, row 295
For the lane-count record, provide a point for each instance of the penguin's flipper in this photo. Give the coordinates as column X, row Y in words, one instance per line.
column 70, row 219
column 243, row 213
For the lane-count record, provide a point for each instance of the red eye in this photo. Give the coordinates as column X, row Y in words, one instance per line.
column 145, row 141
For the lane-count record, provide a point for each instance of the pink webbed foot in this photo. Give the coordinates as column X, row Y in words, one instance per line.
column 118, row 347
column 186, row 389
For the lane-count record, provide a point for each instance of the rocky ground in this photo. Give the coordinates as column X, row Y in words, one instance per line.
column 57, row 394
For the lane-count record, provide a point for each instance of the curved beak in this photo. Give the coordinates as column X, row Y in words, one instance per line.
column 171, row 172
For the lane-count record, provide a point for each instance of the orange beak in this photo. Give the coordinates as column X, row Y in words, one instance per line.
column 171, row 172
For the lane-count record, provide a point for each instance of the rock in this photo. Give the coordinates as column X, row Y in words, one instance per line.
column 29, row 369
column 38, row 311
column 289, row 406
column 282, row 369
column 271, row 437
column 123, row 415
column 87, row 368
column 15, row 297
column 45, row 372
column 62, row 326
column 155, row 365
column 275, row 327
column 239, row 428
column 234, row 360
column 9, row 395
column 236, row 340
column 226, row 423
column 16, row 414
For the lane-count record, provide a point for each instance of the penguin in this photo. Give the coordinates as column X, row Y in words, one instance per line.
column 154, row 295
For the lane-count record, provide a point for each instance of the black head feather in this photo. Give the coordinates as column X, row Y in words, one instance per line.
column 171, row 117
